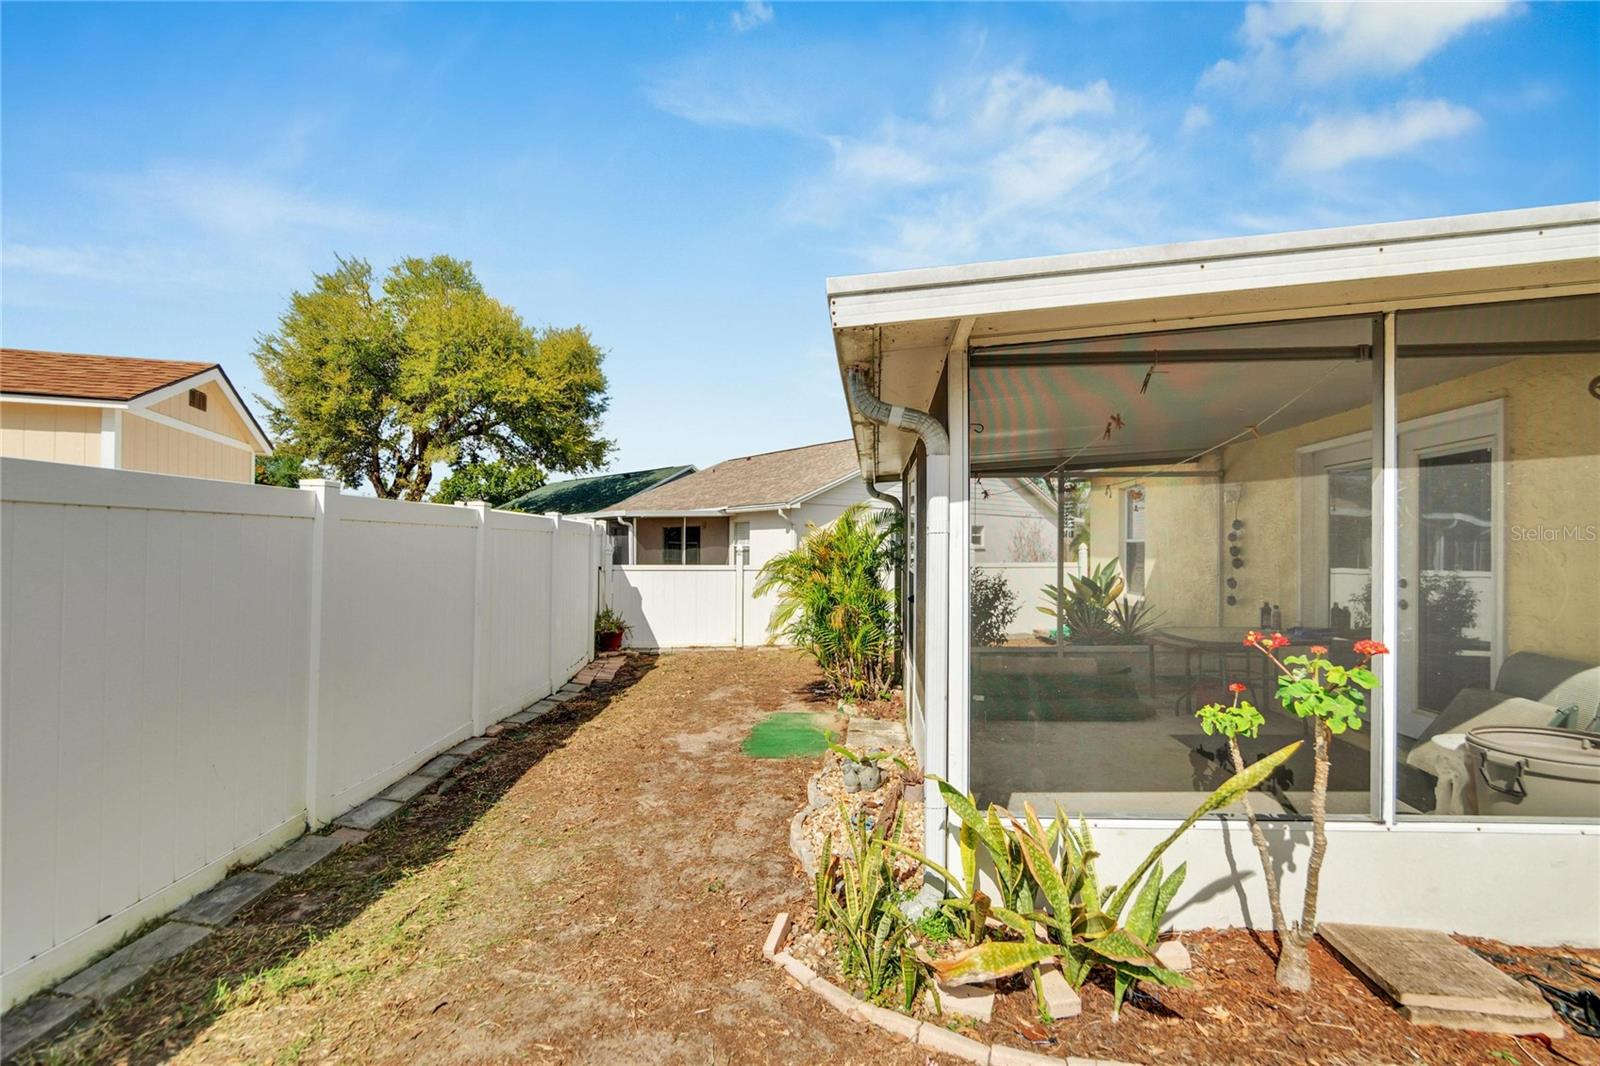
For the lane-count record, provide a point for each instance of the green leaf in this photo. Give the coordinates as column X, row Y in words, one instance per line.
column 992, row 960
column 1226, row 793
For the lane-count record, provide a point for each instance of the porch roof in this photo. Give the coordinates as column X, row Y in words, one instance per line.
column 903, row 326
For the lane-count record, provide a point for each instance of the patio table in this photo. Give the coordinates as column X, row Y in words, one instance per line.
column 1226, row 643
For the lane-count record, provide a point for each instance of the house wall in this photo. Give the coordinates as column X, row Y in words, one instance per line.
column 50, row 432
column 1552, row 434
column 220, row 416
column 160, row 449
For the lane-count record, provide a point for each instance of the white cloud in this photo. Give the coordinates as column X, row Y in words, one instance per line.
column 754, row 13
column 240, row 205
column 1331, row 142
column 1326, row 41
column 1195, row 119
column 997, row 162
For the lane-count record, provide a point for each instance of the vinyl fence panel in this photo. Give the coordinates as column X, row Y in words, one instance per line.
column 193, row 671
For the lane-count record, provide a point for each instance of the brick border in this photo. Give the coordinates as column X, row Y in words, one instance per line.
column 50, row 1011
column 925, row 1035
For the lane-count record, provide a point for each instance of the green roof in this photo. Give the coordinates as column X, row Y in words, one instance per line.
column 587, row 494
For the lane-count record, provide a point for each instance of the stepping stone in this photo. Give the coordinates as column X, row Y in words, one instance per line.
column 966, row 1001
column 300, row 856
column 495, row 730
column 470, row 747
column 347, row 836
column 522, row 717
column 1436, row 981
column 406, row 788
column 545, row 706
column 369, row 814
column 571, row 687
column 220, row 904
column 1174, row 956
column 37, row 1021
column 439, row 765
column 870, row 734
column 1060, row 998
column 122, row 968
column 563, row 696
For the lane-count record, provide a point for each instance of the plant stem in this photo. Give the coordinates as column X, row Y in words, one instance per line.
column 1260, row 837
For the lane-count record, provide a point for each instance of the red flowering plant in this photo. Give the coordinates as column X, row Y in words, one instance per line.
column 1330, row 699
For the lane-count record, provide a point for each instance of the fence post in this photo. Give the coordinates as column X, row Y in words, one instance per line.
column 739, row 598
column 324, row 516
column 552, row 610
column 480, row 608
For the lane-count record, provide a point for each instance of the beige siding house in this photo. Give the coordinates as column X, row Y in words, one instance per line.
column 747, row 509
column 157, row 415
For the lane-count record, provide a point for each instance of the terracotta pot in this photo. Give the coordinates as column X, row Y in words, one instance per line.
column 608, row 641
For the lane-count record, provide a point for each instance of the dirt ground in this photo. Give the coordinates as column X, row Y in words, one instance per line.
column 594, row 891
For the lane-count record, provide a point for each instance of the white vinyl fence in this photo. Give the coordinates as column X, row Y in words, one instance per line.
column 691, row 606
column 1028, row 582
column 195, row 670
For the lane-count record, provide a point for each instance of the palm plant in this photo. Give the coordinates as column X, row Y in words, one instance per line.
column 832, row 601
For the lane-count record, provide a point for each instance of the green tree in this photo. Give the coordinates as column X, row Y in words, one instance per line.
column 281, row 469
column 377, row 383
column 494, row 482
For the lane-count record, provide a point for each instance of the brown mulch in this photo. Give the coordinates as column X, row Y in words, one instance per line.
column 1235, row 1013
column 595, row 890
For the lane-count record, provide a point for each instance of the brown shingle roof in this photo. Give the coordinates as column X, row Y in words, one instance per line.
column 774, row 478
column 88, row 377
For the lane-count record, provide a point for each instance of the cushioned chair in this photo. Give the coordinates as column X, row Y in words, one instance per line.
column 1531, row 690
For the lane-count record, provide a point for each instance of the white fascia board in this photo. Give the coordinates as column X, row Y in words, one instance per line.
column 1395, row 249
column 186, row 427
column 62, row 401
column 213, row 376
column 704, row 512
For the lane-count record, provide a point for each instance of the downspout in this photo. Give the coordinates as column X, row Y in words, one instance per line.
column 936, row 606
column 924, row 425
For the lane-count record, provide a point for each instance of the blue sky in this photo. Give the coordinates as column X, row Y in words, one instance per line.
column 682, row 178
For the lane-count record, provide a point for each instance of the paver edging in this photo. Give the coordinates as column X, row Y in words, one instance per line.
column 52, row 1010
column 902, row 1026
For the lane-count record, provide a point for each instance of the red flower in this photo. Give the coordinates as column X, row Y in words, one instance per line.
column 1252, row 638
column 1318, row 649
column 1236, row 687
column 1370, row 648
column 1278, row 640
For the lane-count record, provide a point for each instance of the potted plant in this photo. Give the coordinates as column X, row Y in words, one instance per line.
column 609, row 629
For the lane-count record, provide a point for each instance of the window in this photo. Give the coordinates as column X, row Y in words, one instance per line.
column 681, row 545
column 741, row 542
column 977, row 538
column 197, row 399
column 1133, row 541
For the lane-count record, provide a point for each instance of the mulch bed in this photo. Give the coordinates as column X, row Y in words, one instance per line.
column 1237, row 1014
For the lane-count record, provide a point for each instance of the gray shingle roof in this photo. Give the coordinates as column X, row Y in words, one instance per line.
column 774, row 478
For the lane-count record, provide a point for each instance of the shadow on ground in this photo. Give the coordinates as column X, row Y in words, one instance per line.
column 258, row 954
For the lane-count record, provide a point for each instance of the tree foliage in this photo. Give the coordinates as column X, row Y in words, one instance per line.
column 495, row 482
column 376, row 383
column 833, row 602
column 280, row 469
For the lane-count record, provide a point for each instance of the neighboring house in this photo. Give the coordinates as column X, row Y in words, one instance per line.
column 1387, row 432
column 743, row 510
column 156, row 415
column 587, row 495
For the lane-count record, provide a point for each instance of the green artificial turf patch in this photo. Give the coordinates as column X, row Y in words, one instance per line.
column 786, row 734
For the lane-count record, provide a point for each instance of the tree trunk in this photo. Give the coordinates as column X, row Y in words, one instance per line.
column 1294, row 963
